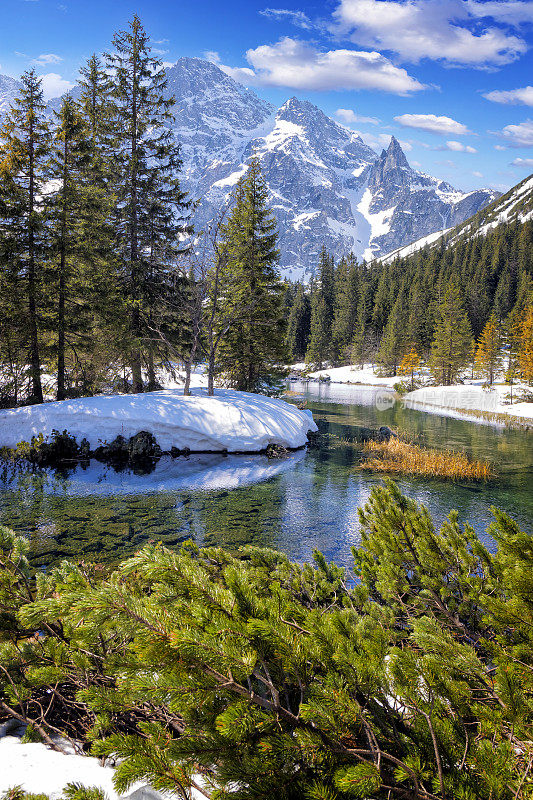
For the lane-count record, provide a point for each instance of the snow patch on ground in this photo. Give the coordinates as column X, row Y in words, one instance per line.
column 414, row 247
column 38, row 769
column 230, row 420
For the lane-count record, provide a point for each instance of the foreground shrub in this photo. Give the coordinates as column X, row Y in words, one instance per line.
column 275, row 680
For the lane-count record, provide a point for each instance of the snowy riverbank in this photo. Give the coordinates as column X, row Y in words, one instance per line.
column 471, row 401
column 468, row 400
column 231, row 421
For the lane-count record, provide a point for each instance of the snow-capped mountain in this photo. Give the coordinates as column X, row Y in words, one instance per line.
column 9, row 89
column 514, row 206
column 327, row 187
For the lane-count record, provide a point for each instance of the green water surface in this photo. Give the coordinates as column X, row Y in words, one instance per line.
column 305, row 501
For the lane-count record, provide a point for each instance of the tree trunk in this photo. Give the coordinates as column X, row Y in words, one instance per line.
column 152, row 384
column 211, row 373
column 136, row 372
column 187, row 384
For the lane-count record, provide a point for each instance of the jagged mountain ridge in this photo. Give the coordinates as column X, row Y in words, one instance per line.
column 516, row 205
column 327, row 187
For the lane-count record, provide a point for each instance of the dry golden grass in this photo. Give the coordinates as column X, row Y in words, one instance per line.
column 406, row 458
column 502, row 418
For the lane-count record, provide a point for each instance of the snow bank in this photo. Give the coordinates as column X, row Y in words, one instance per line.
column 38, row 769
column 455, row 400
column 352, row 374
column 230, row 420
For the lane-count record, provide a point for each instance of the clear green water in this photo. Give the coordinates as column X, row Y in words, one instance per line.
column 308, row 500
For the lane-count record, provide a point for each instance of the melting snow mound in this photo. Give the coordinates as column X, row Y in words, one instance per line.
column 238, row 422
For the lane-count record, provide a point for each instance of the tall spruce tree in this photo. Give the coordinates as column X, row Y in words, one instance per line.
column 252, row 345
column 319, row 348
column 525, row 343
column 81, row 239
column 319, row 342
column 451, row 349
column 24, row 154
column 298, row 325
column 344, row 308
column 394, row 342
column 151, row 208
column 489, row 356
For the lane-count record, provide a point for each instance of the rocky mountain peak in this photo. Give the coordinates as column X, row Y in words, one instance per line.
column 196, row 82
column 326, row 186
column 391, row 169
column 395, row 157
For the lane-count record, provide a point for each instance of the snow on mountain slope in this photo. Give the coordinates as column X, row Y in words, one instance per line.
column 327, row 187
column 514, row 206
column 9, row 89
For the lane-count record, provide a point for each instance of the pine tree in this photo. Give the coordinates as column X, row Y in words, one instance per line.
column 275, row 679
column 394, row 341
column 252, row 345
column 152, row 210
column 319, row 342
column 344, row 308
column 319, row 348
column 24, row 152
column 95, row 106
column 73, row 211
column 364, row 340
column 298, row 325
column 451, row 349
column 525, row 346
column 489, row 358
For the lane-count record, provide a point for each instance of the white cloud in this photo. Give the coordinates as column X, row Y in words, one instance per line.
column 522, row 162
column 296, row 17
column 46, row 58
column 297, row 65
column 511, row 97
column 499, row 147
column 457, row 147
column 54, row 85
column 381, row 141
column 510, row 12
column 518, row 135
column 477, row 174
column 436, row 29
column 158, row 52
column 433, row 124
column 350, row 117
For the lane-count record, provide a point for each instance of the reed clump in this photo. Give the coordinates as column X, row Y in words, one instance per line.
column 406, row 458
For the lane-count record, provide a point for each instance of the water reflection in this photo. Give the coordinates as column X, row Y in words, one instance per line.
column 305, row 501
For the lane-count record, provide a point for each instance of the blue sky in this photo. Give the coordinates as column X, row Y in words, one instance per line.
column 451, row 79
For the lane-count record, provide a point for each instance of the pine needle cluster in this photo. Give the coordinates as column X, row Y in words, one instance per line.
column 248, row 676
